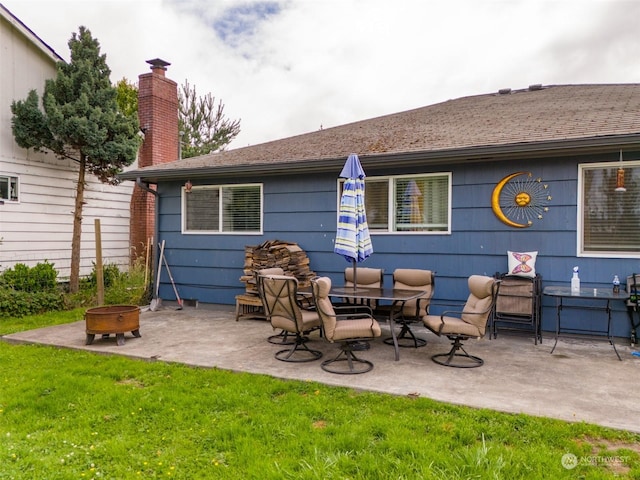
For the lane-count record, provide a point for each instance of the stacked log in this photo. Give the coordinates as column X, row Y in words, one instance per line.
column 276, row 253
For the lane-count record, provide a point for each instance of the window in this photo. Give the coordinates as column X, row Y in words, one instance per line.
column 409, row 204
column 8, row 188
column 608, row 220
column 222, row 209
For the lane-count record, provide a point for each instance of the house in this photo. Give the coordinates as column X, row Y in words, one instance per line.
column 529, row 170
column 37, row 190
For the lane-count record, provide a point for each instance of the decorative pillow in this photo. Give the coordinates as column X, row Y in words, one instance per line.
column 522, row 264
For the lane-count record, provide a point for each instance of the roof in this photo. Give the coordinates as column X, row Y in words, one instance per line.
column 529, row 122
column 27, row 32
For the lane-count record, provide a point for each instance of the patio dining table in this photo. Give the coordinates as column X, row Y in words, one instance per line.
column 396, row 296
column 586, row 297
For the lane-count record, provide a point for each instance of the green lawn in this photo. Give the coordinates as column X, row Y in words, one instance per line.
column 68, row 414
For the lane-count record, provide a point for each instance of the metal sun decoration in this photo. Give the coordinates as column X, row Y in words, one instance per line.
column 518, row 202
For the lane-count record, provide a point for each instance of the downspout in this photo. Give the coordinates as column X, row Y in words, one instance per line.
column 145, row 186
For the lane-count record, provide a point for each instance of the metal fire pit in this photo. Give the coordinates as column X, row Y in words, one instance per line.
column 116, row 319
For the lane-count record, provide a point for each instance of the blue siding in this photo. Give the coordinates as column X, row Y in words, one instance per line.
column 302, row 209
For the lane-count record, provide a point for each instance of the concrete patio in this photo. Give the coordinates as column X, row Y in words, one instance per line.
column 582, row 380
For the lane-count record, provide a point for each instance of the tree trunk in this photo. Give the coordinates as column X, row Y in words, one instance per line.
column 74, row 277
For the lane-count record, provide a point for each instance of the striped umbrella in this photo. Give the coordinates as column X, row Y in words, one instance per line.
column 352, row 237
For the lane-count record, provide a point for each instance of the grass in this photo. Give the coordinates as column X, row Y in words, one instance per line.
column 68, row 414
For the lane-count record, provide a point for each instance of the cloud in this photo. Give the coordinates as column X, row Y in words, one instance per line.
column 286, row 67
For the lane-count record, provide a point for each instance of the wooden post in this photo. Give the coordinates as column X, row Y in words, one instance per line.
column 99, row 271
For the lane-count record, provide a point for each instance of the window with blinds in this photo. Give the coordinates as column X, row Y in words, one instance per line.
column 609, row 209
column 408, row 204
column 222, row 209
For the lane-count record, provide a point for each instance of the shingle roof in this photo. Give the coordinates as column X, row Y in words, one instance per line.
column 534, row 116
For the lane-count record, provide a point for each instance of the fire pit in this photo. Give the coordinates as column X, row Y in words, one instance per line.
column 116, row 319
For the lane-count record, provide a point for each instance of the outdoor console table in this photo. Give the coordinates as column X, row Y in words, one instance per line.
column 395, row 295
column 602, row 296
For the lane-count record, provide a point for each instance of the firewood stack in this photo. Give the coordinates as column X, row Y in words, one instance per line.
column 276, row 253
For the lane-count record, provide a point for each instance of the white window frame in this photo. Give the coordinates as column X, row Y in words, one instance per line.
column 8, row 178
column 220, row 231
column 391, row 213
column 580, row 247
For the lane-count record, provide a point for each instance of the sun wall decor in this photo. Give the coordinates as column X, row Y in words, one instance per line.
column 519, row 199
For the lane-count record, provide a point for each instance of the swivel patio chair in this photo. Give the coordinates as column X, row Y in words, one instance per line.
column 249, row 304
column 284, row 337
column 366, row 278
column 281, row 304
column 351, row 329
column 471, row 322
column 413, row 310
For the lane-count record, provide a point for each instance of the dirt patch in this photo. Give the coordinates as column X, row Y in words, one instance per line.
column 603, row 453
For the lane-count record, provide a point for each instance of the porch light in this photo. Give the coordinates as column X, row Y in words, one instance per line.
column 187, row 186
column 620, row 177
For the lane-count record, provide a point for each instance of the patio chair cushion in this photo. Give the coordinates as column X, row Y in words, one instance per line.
column 307, row 320
column 477, row 309
column 323, row 303
column 414, row 279
column 366, row 277
column 339, row 327
column 354, row 328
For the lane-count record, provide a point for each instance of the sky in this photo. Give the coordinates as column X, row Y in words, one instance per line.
column 287, row 67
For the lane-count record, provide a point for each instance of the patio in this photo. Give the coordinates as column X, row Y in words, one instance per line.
column 582, row 381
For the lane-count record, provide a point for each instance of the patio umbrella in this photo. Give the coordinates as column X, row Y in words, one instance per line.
column 352, row 237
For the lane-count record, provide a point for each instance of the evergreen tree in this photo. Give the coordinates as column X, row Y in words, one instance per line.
column 203, row 126
column 81, row 121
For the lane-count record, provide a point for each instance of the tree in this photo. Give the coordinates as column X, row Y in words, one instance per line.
column 81, row 121
column 127, row 97
column 203, row 126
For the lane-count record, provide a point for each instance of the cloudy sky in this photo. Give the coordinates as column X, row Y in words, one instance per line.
column 285, row 67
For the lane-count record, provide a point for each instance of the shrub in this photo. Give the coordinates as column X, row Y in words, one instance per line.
column 111, row 274
column 121, row 288
column 42, row 277
column 14, row 303
column 29, row 290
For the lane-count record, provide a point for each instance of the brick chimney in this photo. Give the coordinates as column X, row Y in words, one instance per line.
column 158, row 116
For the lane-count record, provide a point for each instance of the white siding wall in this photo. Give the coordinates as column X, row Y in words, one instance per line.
column 39, row 226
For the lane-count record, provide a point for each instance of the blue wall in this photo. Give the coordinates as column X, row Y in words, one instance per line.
column 302, row 209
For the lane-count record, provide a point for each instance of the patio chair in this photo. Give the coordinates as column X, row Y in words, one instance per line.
column 249, row 304
column 471, row 322
column 413, row 310
column 518, row 306
column 281, row 305
column 366, row 278
column 351, row 329
column 284, row 337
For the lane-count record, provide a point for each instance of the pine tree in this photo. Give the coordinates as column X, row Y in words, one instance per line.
column 203, row 125
column 81, row 121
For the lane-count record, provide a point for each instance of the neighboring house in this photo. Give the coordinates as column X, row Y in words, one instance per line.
column 559, row 146
column 37, row 190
